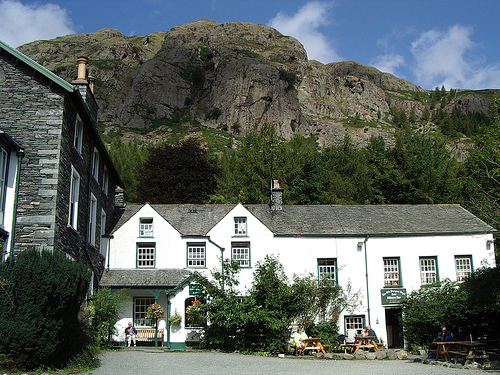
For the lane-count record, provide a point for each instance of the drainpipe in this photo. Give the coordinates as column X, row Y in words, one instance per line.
column 367, row 285
column 20, row 155
column 221, row 260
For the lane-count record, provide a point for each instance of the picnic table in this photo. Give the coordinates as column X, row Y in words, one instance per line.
column 314, row 344
column 362, row 342
column 469, row 350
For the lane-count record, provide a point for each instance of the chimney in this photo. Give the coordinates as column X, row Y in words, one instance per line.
column 91, row 83
column 276, row 197
column 82, row 70
column 85, row 85
column 120, row 198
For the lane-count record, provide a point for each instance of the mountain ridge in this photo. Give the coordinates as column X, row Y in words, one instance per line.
column 234, row 77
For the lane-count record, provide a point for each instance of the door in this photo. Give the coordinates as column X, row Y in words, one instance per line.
column 394, row 324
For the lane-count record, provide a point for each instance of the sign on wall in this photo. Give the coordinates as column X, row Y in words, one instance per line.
column 194, row 289
column 392, row 296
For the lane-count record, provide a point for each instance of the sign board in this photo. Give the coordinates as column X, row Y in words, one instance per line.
column 392, row 296
column 194, row 289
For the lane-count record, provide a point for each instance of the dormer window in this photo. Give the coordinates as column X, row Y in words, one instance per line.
column 146, row 227
column 240, row 226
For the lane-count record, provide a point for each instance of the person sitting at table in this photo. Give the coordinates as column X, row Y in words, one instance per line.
column 444, row 335
column 298, row 341
column 463, row 335
column 371, row 332
column 351, row 336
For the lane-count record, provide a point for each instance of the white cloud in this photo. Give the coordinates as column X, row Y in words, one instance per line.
column 388, row 63
column 444, row 58
column 304, row 26
column 21, row 23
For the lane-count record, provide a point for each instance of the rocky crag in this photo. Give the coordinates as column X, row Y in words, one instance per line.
column 235, row 77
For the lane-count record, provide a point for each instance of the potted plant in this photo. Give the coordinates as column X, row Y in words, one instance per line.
column 155, row 312
column 175, row 318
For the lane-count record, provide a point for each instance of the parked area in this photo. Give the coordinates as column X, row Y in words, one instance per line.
column 150, row 360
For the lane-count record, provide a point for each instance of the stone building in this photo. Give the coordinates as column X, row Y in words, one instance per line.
column 61, row 191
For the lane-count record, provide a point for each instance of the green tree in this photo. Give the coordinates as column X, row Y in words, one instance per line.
column 127, row 157
column 104, row 313
column 39, row 307
column 177, row 174
column 431, row 307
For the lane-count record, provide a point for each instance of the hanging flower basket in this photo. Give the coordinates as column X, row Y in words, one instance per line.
column 155, row 312
column 194, row 314
column 175, row 318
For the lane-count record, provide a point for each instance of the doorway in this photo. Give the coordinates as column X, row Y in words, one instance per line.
column 394, row 324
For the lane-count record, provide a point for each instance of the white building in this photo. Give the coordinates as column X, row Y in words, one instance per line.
column 383, row 251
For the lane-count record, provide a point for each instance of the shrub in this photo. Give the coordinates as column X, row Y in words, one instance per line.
column 39, row 304
column 103, row 314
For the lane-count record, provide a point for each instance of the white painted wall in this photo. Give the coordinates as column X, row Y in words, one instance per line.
column 299, row 256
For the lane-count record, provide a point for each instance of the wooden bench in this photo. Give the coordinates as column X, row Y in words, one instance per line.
column 148, row 334
column 353, row 346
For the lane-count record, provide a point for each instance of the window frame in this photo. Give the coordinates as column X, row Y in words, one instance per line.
column 78, row 136
column 389, row 282
column 74, row 198
column 95, row 165
column 424, row 273
column 4, row 176
column 105, row 181
column 143, row 222
column 244, row 262
column 328, row 263
column 190, row 258
column 149, row 258
column 457, row 271
column 92, row 220
column 354, row 325
column 240, row 226
column 103, row 240
column 140, row 311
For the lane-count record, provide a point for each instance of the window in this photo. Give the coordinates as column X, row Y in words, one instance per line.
column 146, row 227
column 73, row 198
column 428, row 270
column 104, row 243
column 327, row 269
column 105, row 181
column 92, row 220
column 391, row 272
column 196, row 255
column 95, row 165
column 140, row 309
column 240, row 253
column 240, row 226
column 145, row 255
column 192, row 319
column 463, row 266
column 78, row 139
column 355, row 322
column 4, row 157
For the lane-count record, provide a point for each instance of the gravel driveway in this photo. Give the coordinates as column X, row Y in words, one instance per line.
column 139, row 361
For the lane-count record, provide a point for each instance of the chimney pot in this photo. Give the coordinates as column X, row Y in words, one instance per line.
column 82, row 69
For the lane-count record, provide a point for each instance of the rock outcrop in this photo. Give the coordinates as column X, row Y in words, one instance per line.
column 235, row 77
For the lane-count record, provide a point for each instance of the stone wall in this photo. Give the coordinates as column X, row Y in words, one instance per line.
column 40, row 115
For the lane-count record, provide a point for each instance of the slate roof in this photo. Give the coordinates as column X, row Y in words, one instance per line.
column 154, row 278
column 328, row 220
column 187, row 219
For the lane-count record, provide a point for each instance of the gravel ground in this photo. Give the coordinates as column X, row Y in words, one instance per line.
column 144, row 361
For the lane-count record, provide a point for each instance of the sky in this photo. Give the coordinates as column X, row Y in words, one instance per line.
column 455, row 43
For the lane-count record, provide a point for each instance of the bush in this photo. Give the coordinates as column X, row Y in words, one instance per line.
column 103, row 314
column 39, row 305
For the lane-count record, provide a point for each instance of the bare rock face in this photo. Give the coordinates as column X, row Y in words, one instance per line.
column 234, row 76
